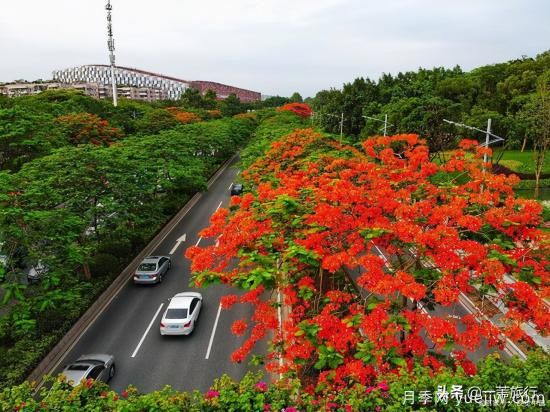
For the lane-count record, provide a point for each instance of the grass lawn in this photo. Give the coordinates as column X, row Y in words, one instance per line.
column 521, row 162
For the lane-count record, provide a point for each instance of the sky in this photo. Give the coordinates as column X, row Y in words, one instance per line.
column 275, row 47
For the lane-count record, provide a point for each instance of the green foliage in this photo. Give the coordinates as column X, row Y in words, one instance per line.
column 272, row 126
column 231, row 105
column 155, row 121
column 417, row 102
column 254, row 394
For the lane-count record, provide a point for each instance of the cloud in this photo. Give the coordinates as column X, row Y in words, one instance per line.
column 274, row 46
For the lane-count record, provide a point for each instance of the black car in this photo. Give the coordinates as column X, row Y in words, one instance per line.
column 236, row 189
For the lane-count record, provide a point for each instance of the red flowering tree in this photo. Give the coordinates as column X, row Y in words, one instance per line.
column 183, row 116
column 301, row 109
column 321, row 212
column 82, row 128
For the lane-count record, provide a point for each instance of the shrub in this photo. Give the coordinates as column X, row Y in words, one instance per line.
column 105, row 264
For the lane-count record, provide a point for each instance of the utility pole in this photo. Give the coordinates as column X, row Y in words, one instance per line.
column 385, row 121
column 341, row 127
column 341, row 123
column 111, row 46
column 488, row 136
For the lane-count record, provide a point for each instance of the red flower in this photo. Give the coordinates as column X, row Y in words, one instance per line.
column 239, row 327
column 211, row 394
column 228, row 301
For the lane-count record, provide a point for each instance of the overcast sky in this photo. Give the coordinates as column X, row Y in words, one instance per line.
column 272, row 46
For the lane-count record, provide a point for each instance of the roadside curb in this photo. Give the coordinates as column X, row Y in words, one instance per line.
column 52, row 360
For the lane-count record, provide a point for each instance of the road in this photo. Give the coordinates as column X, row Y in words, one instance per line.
column 184, row 362
column 455, row 311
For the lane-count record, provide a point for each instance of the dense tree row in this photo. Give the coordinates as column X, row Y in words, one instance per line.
column 417, row 102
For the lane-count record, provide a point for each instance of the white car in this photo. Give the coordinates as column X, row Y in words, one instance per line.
column 181, row 314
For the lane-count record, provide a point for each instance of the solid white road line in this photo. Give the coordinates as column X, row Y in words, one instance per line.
column 220, row 205
column 180, row 239
column 147, row 331
column 198, row 241
column 280, row 316
column 230, row 184
column 213, row 332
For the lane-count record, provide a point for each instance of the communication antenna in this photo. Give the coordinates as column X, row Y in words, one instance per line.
column 111, row 45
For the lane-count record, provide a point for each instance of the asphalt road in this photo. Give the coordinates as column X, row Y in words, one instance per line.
column 455, row 311
column 184, row 362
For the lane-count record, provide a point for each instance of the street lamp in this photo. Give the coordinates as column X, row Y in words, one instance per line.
column 385, row 121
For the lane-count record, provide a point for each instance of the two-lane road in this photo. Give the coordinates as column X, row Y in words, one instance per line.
column 129, row 327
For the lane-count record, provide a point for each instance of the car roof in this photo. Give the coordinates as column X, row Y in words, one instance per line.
column 183, row 300
column 180, row 302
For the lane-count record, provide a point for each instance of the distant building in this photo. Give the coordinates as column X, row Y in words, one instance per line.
column 142, row 85
column 95, row 80
column 222, row 90
column 26, row 89
column 132, row 83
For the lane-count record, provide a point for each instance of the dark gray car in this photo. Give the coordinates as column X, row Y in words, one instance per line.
column 152, row 269
column 100, row 367
column 237, row 189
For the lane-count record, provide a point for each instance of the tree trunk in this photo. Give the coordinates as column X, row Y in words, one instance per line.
column 524, row 142
column 87, row 271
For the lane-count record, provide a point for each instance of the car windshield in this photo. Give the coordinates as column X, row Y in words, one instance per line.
column 78, row 367
column 147, row 267
column 176, row 314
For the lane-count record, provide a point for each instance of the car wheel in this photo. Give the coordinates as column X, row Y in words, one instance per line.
column 112, row 371
column 160, row 278
column 169, row 265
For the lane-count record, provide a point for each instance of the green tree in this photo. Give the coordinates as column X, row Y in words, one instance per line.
column 191, row 99
column 296, row 98
column 231, row 105
column 156, row 120
column 209, row 101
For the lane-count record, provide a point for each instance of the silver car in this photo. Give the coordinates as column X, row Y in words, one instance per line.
column 37, row 272
column 152, row 269
column 182, row 314
column 99, row 367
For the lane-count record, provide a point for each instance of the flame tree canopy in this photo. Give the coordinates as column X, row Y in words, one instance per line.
column 301, row 109
column 320, row 209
